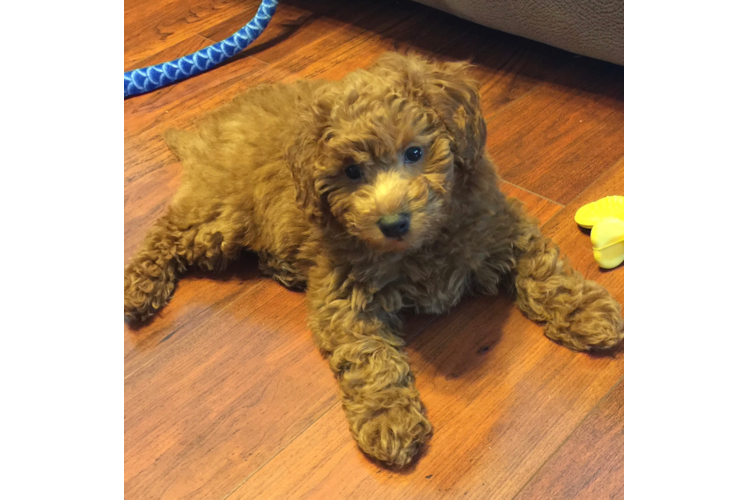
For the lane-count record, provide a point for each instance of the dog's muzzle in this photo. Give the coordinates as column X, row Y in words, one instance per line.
column 395, row 226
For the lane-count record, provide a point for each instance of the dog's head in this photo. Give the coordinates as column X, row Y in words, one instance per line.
column 380, row 151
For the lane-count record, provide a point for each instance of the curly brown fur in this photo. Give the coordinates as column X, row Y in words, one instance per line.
column 267, row 172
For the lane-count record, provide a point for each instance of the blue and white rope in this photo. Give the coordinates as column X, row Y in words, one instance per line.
column 140, row 81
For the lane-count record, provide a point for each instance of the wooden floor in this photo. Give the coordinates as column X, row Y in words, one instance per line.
column 225, row 393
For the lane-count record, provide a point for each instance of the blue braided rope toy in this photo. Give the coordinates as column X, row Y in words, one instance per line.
column 143, row 80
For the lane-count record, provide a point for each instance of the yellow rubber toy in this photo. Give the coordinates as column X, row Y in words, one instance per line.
column 607, row 242
column 591, row 213
column 605, row 217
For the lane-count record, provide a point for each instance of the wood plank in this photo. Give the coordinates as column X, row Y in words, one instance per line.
column 151, row 27
column 287, row 22
column 530, row 67
column 198, row 297
column 414, row 28
column 540, row 208
column 223, row 399
column 296, row 24
column 575, row 134
column 590, row 464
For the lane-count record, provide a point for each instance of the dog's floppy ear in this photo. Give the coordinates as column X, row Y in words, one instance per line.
column 449, row 90
column 302, row 156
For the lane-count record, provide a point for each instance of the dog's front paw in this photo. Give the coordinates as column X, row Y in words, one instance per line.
column 393, row 435
column 594, row 323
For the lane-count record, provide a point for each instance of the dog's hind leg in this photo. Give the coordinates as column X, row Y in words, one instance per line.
column 578, row 313
column 180, row 239
column 285, row 271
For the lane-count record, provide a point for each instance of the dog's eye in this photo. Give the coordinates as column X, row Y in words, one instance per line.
column 413, row 154
column 353, row 172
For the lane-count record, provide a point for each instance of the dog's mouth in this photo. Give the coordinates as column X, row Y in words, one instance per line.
column 399, row 244
column 380, row 243
column 396, row 244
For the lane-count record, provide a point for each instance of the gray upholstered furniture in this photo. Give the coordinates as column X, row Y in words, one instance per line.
column 592, row 28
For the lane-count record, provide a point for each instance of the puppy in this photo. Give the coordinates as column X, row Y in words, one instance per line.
column 375, row 192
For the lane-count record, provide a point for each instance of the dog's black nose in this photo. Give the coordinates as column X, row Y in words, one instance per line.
column 394, row 226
